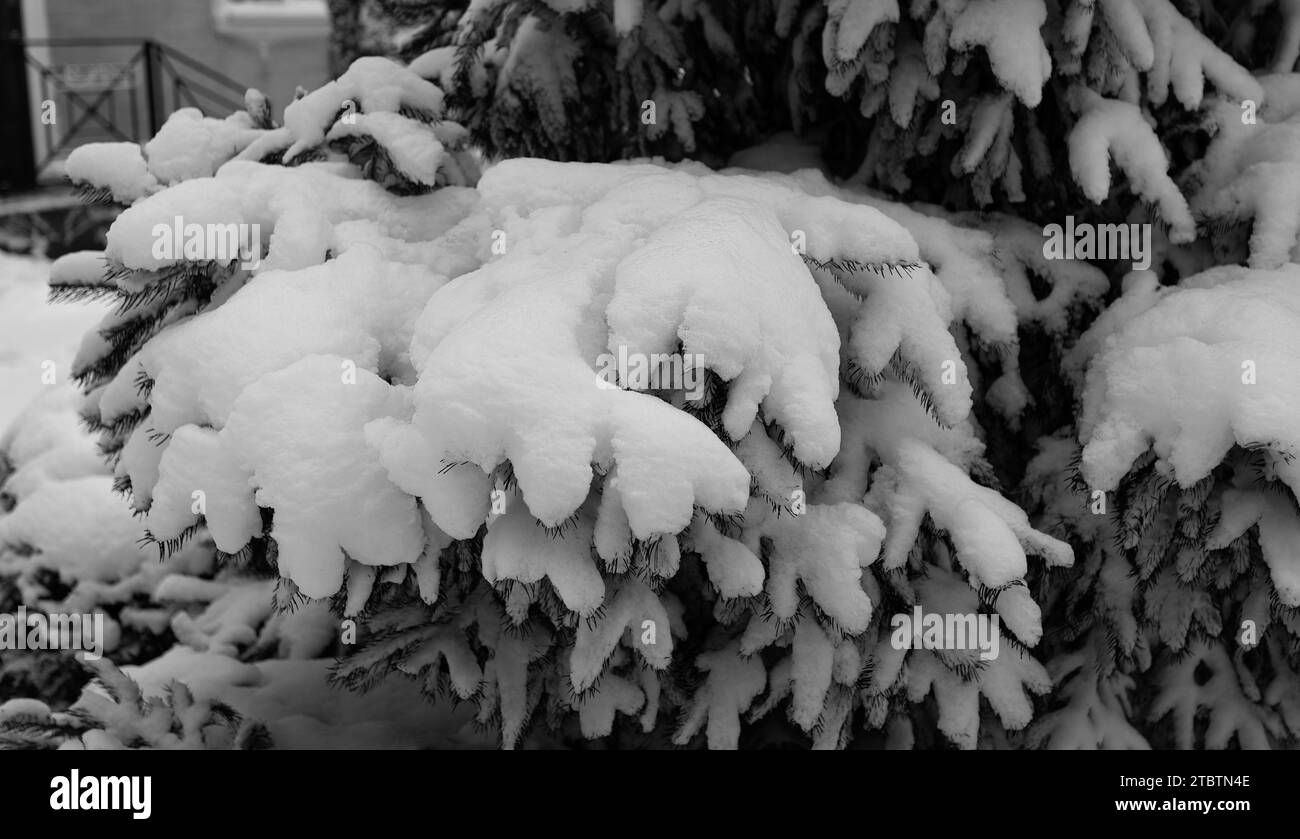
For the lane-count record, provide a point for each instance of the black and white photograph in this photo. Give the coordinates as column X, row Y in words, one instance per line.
column 651, row 375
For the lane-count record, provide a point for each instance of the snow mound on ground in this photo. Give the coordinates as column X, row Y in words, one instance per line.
column 98, row 543
column 37, row 340
column 67, row 542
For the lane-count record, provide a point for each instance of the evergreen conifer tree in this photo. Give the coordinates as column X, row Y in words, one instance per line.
column 445, row 406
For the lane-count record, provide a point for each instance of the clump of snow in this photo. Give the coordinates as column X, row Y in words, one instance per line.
column 1201, row 370
column 331, row 493
column 1183, row 58
column 821, row 552
column 991, row 534
column 1008, row 30
column 295, row 208
column 371, row 84
column 848, row 24
column 1279, row 535
column 631, row 611
column 190, row 145
column 1251, row 173
column 661, row 281
column 118, row 167
column 513, row 550
column 627, row 15
column 732, row 567
column 1156, row 39
column 1110, row 128
column 983, row 266
column 202, row 365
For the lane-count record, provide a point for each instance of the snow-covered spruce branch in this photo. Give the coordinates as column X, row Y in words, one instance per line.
column 376, row 432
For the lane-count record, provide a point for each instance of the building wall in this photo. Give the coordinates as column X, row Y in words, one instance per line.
column 187, row 26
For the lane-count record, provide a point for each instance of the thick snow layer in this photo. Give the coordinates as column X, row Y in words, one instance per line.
column 295, row 208
column 299, row 433
column 661, row 277
column 1199, row 371
column 202, row 365
column 685, row 283
column 222, row 396
column 983, row 265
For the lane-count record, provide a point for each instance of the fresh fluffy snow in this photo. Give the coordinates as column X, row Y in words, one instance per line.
column 37, row 340
column 1198, row 372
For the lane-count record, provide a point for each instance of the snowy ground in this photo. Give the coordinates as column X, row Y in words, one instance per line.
column 33, row 332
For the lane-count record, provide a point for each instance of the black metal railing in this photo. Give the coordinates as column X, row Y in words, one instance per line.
column 124, row 91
